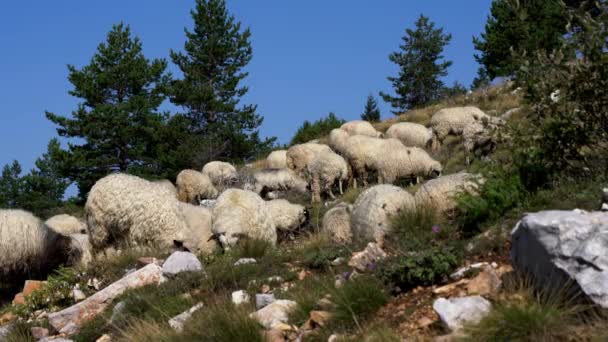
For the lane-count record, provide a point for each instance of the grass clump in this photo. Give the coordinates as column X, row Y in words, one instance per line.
column 20, row 332
column 358, row 299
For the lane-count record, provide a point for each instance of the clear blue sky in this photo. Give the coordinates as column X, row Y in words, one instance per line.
column 309, row 57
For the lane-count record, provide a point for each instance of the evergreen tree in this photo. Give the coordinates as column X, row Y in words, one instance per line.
column 310, row 131
column 115, row 126
column 456, row 89
column 216, row 51
column 11, row 185
column 371, row 112
column 421, row 64
column 518, row 26
column 481, row 80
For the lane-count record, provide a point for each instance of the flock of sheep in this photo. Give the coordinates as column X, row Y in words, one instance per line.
column 219, row 205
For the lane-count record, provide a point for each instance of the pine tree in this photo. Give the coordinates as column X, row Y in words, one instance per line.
column 371, row 112
column 518, row 26
column 216, row 51
column 115, row 126
column 481, row 80
column 310, row 131
column 421, row 65
column 11, row 185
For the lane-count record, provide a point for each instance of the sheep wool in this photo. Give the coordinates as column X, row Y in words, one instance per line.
column 298, row 156
column 286, row 215
column 27, row 245
column 410, row 134
column 411, row 162
column 220, row 173
column 277, row 160
column 360, row 127
column 66, row 225
column 453, row 121
column 199, row 220
column 440, row 192
column 268, row 180
column 241, row 213
column 167, row 186
column 373, row 209
column 325, row 170
column 336, row 223
column 193, row 187
column 123, row 208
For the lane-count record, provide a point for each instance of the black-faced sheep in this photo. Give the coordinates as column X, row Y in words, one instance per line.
column 66, row 225
column 193, row 187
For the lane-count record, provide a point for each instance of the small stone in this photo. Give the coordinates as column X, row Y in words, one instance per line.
column 78, row 295
column 104, row 338
column 180, row 262
column 275, row 279
column 449, row 288
column 494, row 264
column 39, row 333
column 275, row 313
column 604, row 207
column 485, row 283
column 40, row 314
column 240, row 297
column 263, row 299
column 459, row 274
column 208, row 203
column 455, row 312
column 334, row 338
column 338, row 261
column 369, row 256
column 424, row 322
column 143, row 261
column 303, row 274
column 245, row 261
column 265, row 288
column 339, row 281
column 94, row 284
column 177, row 322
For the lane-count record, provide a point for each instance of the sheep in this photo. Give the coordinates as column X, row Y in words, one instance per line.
column 199, row 220
column 323, row 171
column 166, row 185
column 66, row 225
column 410, row 134
column 410, row 162
column 360, row 127
column 241, row 213
column 277, row 160
column 298, row 156
column 286, row 216
column 336, row 223
column 27, row 246
column 193, row 186
column 440, row 193
column 80, row 251
column 480, row 136
column 453, row 121
column 268, row 180
column 220, row 173
column 123, row 208
column 372, row 211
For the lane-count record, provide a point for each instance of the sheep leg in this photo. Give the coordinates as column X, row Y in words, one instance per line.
column 340, row 186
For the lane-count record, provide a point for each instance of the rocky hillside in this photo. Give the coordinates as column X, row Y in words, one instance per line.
column 471, row 254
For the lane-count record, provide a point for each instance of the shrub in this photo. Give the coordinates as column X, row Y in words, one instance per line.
column 310, row 131
column 307, row 293
column 252, row 248
column 358, row 299
column 318, row 252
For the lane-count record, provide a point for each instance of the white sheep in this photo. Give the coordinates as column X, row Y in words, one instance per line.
column 374, row 208
column 123, row 208
column 440, row 193
column 199, row 219
column 28, row 246
column 298, row 156
column 241, row 213
column 66, row 225
column 193, row 186
column 286, row 216
column 166, row 185
column 268, row 180
column 336, row 223
column 406, row 162
column 277, row 160
column 220, row 173
column 324, row 171
column 410, row 134
column 360, row 127
column 479, row 136
column 453, row 121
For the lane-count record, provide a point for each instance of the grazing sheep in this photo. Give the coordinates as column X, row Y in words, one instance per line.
column 241, row 213
column 220, row 173
column 410, row 134
column 193, row 187
column 66, row 225
column 325, row 170
column 360, row 127
column 80, row 251
column 439, row 193
column 199, row 220
column 336, row 223
column 410, row 162
column 27, row 246
column 286, row 216
column 122, row 208
column 453, row 121
column 269, row 180
column 298, row 156
column 372, row 211
column 277, row 160
column 166, row 185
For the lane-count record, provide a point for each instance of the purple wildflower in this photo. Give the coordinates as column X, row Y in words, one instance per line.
column 346, row 275
column 436, row 229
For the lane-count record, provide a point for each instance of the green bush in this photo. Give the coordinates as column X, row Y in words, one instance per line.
column 310, row 131
column 358, row 299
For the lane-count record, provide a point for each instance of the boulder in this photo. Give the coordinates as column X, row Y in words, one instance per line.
column 71, row 318
column 179, row 262
column 275, row 313
column 39, row 333
column 28, row 288
column 177, row 322
column 455, row 312
column 366, row 259
column 564, row 248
